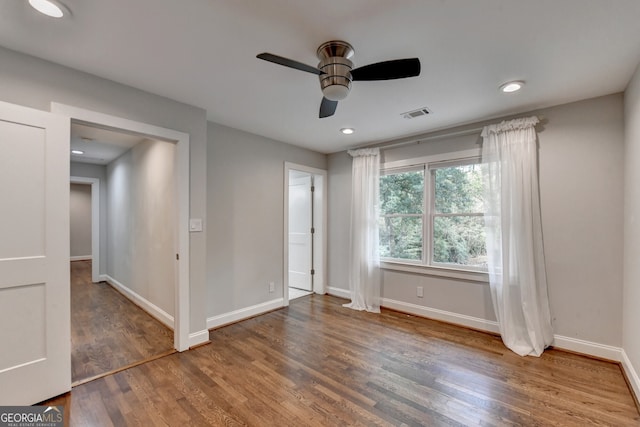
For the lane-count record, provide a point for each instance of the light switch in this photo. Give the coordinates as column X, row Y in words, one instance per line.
column 195, row 224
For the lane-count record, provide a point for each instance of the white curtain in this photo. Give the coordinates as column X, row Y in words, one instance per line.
column 514, row 236
column 364, row 252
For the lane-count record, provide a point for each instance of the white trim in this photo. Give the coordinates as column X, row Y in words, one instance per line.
column 445, row 316
column 197, row 338
column 631, row 373
column 155, row 311
column 102, row 278
column 81, row 258
column 95, row 223
column 320, row 223
column 244, row 313
column 588, row 347
column 430, row 270
column 426, row 160
column 181, row 139
column 339, row 292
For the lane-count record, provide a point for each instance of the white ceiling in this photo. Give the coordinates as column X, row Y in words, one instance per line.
column 100, row 146
column 202, row 52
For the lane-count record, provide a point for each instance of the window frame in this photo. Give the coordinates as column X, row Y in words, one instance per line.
column 431, row 168
column 403, row 169
column 426, row 265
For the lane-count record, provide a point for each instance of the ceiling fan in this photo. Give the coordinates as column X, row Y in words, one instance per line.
column 336, row 71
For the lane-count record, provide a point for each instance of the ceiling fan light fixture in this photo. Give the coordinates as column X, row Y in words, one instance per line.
column 347, row 131
column 51, row 8
column 513, row 86
column 335, row 92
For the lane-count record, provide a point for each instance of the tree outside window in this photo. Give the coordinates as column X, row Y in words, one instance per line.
column 402, row 214
column 457, row 219
column 447, row 209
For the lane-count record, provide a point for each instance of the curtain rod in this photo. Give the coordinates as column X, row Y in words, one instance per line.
column 419, row 140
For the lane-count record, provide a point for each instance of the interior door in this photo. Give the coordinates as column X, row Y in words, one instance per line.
column 300, row 236
column 35, row 360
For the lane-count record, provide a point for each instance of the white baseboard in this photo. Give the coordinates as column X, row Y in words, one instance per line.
column 103, row 277
column 81, row 258
column 197, row 338
column 590, row 348
column 631, row 373
column 155, row 311
column 445, row 316
column 602, row 351
column 244, row 313
column 339, row 292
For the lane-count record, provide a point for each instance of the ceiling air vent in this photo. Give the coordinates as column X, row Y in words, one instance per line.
column 416, row 113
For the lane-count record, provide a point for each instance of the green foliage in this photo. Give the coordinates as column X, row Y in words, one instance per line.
column 401, row 236
column 458, row 189
column 457, row 239
column 402, row 193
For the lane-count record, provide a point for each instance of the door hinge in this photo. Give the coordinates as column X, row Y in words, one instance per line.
column 313, row 230
column 313, row 272
column 178, row 257
column 313, row 188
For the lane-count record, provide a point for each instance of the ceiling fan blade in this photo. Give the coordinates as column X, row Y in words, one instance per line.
column 289, row 63
column 388, row 70
column 327, row 108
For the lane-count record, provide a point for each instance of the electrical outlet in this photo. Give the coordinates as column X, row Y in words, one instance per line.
column 272, row 287
column 420, row 292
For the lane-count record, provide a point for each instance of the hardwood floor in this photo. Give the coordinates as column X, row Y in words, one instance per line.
column 316, row 363
column 108, row 331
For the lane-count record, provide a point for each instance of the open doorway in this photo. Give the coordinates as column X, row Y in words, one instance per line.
column 304, row 231
column 121, row 305
column 174, row 314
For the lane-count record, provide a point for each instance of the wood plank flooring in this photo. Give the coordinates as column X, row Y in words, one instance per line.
column 316, row 363
column 108, row 331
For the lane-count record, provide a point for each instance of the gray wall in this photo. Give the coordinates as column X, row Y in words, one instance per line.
column 142, row 210
column 98, row 172
column 581, row 180
column 245, row 194
column 631, row 311
column 80, row 220
column 35, row 83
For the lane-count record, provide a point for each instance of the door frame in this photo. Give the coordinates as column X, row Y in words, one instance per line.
column 320, row 223
column 95, row 223
column 181, row 139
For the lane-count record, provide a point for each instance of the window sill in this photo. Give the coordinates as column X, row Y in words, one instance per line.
column 427, row 270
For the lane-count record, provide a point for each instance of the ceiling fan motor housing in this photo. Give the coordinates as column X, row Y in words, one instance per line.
column 335, row 81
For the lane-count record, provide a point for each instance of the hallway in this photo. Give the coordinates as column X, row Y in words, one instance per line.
column 109, row 332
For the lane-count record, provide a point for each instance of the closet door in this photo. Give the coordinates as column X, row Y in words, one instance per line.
column 35, row 361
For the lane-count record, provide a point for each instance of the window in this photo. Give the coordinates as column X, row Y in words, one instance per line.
column 431, row 214
column 402, row 208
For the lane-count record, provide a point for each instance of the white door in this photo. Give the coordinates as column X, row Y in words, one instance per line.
column 300, row 237
column 35, row 355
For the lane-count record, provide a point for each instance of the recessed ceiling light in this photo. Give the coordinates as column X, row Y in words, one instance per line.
column 347, row 131
column 50, row 8
column 77, row 152
column 512, row 86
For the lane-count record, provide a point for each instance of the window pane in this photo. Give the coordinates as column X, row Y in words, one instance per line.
column 401, row 238
column 459, row 240
column 402, row 193
column 458, row 189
